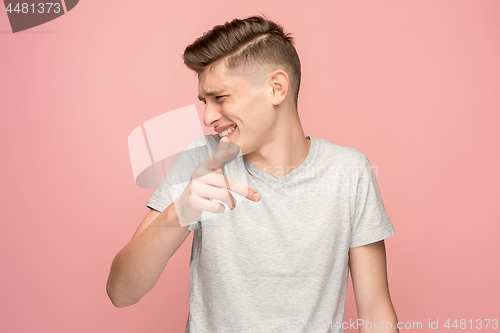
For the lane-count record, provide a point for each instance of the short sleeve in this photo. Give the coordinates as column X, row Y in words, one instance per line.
column 176, row 181
column 371, row 223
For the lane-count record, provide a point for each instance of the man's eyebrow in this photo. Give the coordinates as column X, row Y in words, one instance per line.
column 211, row 93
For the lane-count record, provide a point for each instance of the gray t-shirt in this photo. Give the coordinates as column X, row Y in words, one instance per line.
column 280, row 264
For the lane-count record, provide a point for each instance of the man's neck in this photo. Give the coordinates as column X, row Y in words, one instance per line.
column 285, row 153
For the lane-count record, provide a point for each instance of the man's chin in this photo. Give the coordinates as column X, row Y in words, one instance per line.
column 242, row 149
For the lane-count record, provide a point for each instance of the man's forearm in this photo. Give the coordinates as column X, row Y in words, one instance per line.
column 138, row 266
column 383, row 321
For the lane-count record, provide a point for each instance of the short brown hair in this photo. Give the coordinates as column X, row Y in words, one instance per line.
column 244, row 43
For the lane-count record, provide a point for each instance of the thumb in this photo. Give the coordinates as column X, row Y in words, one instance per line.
column 224, row 143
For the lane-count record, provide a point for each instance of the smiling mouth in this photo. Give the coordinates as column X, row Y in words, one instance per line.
column 226, row 132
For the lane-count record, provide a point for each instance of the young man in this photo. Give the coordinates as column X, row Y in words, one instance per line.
column 278, row 262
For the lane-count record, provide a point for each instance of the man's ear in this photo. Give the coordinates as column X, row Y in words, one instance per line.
column 280, row 83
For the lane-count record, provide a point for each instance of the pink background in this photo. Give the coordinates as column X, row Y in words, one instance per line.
column 414, row 85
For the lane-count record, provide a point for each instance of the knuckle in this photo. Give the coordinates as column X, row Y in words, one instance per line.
column 195, row 187
column 215, row 208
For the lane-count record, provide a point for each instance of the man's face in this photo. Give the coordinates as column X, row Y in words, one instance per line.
column 238, row 99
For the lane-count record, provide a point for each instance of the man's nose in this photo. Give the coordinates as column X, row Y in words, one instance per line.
column 212, row 114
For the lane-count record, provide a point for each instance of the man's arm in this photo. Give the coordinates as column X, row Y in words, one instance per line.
column 369, row 279
column 138, row 266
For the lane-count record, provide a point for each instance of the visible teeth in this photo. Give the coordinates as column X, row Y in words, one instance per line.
column 224, row 133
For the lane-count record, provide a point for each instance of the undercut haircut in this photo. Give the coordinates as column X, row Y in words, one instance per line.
column 247, row 47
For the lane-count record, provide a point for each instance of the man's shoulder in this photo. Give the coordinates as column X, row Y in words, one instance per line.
column 335, row 153
column 196, row 151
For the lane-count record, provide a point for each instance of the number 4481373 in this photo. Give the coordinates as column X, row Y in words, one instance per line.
column 479, row 324
column 42, row 8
